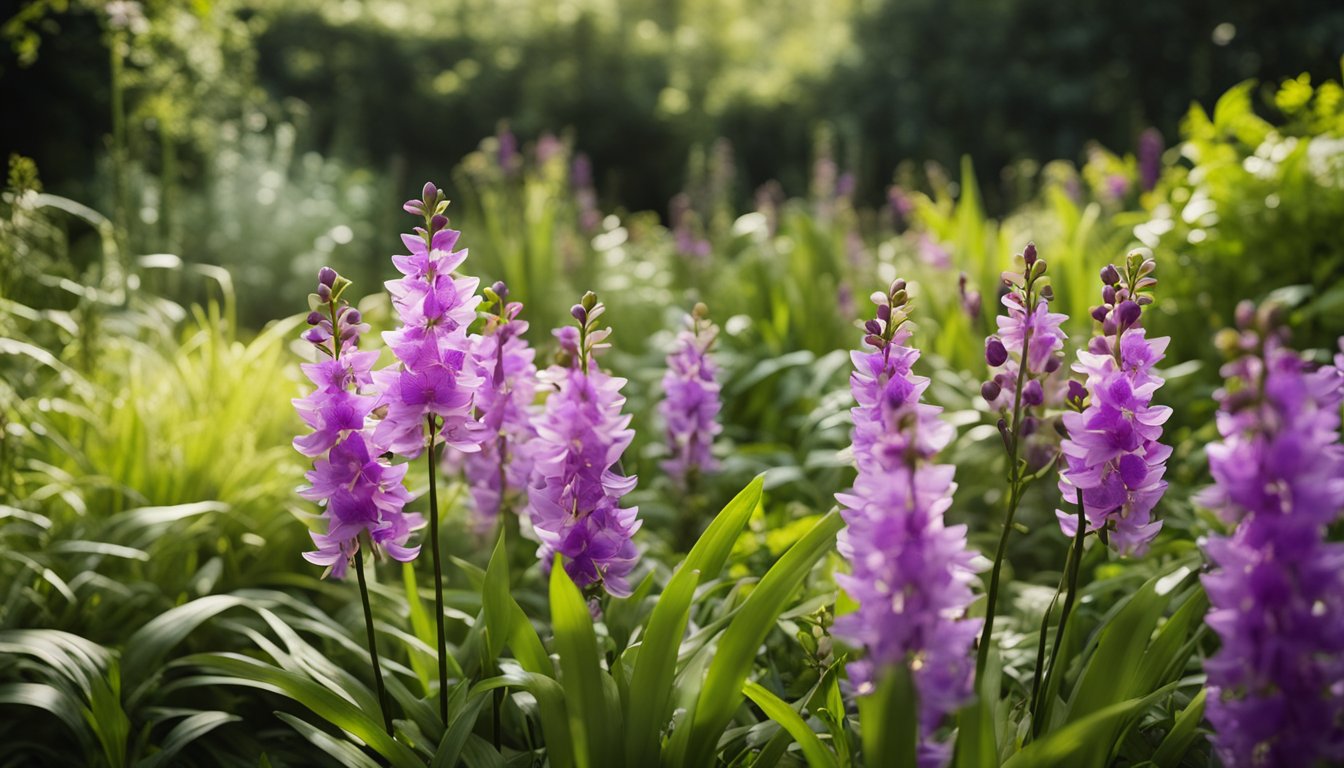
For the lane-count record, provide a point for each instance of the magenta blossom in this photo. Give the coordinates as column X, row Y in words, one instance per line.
column 361, row 493
column 1113, row 454
column 1277, row 588
column 576, row 485
column 691, row 404
column 910, row 573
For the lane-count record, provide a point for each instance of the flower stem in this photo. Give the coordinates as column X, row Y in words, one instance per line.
column 1070, row 595
column 1044, row 633
column 432, row 454
column 373, row 641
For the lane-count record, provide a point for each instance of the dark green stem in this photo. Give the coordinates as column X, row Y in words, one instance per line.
column 432, row 455
column 1070, row 595
column 373, row 641
column 1014, row 498
column 1045, row 633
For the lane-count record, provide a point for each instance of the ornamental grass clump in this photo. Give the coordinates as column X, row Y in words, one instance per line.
column 910, row 573
column 499, row 471
column 577, row 483
column 1113, row 460
column 1277, row 586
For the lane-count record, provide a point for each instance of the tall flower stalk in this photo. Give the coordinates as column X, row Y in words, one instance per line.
column 577, row 484
column 500, row 470
column 910, row 573
column 426, row 396
column 1024, row 352
column 362, row 496
column 690, row 409
column 1277, row 586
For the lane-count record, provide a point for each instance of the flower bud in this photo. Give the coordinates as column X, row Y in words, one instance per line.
column 873, row 326
column 589, row 300
column 990, row 390
column 438, row 222
column 579, row 313
column 1099, row 313
column 1038, row 269
column 352, row 317
column 326, row 276
column 323, row 293
column 1110, row 275
column 1128, row 313
column 1030, row 424
column 1108, row 294
column 1077, row 393
column 314, row 318
column 414, row 207
column 883, row 312
column 897, row 286
column 874, row 340
column 430, row 193
column 1053, row 364
column 1029, row 254
column 995, row 353
column 1032, row 393
column 501, row 290
column 1245, row 314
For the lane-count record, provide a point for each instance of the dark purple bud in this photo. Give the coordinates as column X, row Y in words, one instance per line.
column 349, row 333
column 438, row 222
column 501, row 290
column 315, row 335
column 430, row 193
column 1099, row 313
column 326, row 276
column 995, row 353
column 874, row 341
column 1077, row 392
column 990, row 390
column 414, row 207
column 1003, row 432
column 1108, row 294
column 883, row 312
column 579, row 313
column 873, row 326
column 1128, row 313
column 352, row 317
column 323, row 293
column 1032, row 393
column 1053, row 364
column 1029, row 254
column 1030, row 424
column 1110, row 275
column 314, row 318
column 1245, row 315
column 1108, row 326
column 897, row 285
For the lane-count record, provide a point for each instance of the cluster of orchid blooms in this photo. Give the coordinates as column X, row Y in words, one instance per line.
column 1277, row 590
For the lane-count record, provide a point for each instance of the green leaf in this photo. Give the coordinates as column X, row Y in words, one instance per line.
column 656, row 662
column 550, row 707
column 495, row 599
column 1084, row 740
column 146, row 648
column 818, row 756
column 889, row 720
column 422, row 658
column 346, row 752
column 977, row 739
column 721, row 693
column 188, row 730
column 49, row 698
column 580, row 673
column 244, row 671
column 1182, row 734
column 446, row 756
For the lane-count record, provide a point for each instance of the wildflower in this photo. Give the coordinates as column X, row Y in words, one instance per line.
column 504, row 404
column 1031, row 333
column 1276, row 590
column 576, row 485
column 692, row 402
column 1150, row 158
column 910, row 573
column 432, row 384
column 360, row 492
column 1112, row 453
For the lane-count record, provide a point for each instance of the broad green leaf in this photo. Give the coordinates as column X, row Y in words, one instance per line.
column 244, row 671
column 977, row 740
column 721, row 692
column 656, row 662
column 1182, row 734
column 595, row 732
column 422, row 659
column 346, row 752
column 51, row 699
column 818, row 756
column 450, row 749
column 495, row 599
column 889, row 720
column 1083, row 740
column 550, row 707
column 184, row 733
column 146, row 648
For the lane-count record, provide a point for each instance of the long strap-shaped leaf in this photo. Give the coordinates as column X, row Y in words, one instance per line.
column 594, row 726
column 694, row 741
column 655, row 664
column 818, row 756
